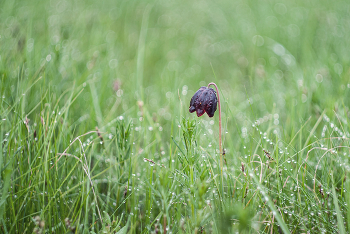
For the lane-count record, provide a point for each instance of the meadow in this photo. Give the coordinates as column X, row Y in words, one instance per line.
column 96, row 134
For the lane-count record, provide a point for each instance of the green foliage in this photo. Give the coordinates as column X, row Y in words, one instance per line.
column 189, row 132
column 235, row 217
column 123, row 140
column 130, row 68
column 112, row 227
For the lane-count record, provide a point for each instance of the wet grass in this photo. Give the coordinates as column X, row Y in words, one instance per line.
column 95, row 131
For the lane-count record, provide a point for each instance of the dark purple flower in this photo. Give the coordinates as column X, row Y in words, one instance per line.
column 204, row 100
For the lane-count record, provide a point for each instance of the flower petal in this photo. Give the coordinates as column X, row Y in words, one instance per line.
column 192, row 109
column 204, row 100
column 200, row 112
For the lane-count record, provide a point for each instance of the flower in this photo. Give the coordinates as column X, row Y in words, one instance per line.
column 204, row 100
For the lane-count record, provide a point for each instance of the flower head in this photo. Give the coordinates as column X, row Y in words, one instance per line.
column 204, row 100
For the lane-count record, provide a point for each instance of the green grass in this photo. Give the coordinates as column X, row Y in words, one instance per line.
column 95, row 131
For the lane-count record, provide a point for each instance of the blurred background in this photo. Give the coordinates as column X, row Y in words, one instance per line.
column 277, row 54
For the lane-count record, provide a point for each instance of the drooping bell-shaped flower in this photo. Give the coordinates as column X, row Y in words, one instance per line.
column 204, row 100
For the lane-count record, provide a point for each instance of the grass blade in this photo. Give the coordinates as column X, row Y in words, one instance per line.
column 340, row 220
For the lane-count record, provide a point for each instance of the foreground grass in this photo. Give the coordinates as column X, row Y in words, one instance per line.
column 95, row 131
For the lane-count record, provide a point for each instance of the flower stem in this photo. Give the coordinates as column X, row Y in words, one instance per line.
column 220, row 142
